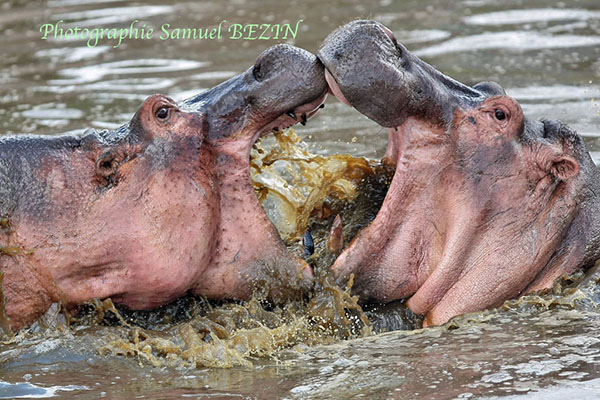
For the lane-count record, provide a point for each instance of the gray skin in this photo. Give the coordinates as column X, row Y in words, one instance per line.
column 485, row 204
column 162, row 206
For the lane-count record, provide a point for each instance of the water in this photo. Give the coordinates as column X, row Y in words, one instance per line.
column 545, row 54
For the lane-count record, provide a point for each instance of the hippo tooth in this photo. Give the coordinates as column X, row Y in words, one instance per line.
column 322, row 106
column 291, row 114
column 335, row 242
column 303, row 119
column 308, row 243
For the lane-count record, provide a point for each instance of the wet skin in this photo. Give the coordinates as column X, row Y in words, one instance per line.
column 485, row 204
column 159, row 207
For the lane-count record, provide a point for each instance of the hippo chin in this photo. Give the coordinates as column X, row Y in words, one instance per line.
column 485, row 204
column 159, row 207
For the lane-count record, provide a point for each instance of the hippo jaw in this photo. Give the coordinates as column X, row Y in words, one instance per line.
column 484, row 204
column 285, row 86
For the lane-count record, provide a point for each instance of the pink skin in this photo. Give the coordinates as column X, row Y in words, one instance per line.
column 147, row 220
column 266, row 259
column 93, row 243
column 484, row 204
column 442, row 238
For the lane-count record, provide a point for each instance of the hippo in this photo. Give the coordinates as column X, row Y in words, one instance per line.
column 485, row 204
column 159, row 207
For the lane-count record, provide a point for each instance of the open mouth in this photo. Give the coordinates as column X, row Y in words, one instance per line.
column 300, row 114
column 335, row 88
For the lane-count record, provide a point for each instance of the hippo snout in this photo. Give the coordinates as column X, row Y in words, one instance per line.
column 384, row 81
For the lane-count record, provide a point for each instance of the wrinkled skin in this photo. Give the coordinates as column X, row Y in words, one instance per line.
column 485, row 204
column 162, row 206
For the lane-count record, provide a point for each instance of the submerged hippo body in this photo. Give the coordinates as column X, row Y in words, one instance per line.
column 158, row 207
column 485, row 204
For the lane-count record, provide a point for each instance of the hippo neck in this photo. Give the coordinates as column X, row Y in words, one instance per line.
column 409, row 214
column 242, row 221
column 591, row 212
column 34, row 169
column 31, row 165
column 580, row 247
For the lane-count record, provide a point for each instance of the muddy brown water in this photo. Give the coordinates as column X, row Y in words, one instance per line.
column 546, row 54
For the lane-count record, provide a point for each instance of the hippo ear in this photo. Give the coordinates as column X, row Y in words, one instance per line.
column 107, row 164
column 552, row 159
column 490, row 88
column 564, row 167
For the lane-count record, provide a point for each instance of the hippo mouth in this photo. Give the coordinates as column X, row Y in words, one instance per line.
column 335, row 89
column 300, row 114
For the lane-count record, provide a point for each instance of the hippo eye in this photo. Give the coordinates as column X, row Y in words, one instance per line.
column 500, row 115
column 162, row 113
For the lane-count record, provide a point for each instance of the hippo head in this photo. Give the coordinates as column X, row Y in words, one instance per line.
column 286, row 85
column 484, row 205
column 159, row 207
column 128, row 214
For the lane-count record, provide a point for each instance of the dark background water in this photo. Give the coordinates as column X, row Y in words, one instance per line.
column 544, row 53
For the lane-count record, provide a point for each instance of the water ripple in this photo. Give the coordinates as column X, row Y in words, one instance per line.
column 72, row 54
column 93, row 73
column 515, row 17
column 213, row 75
column 554, row 92
column 421, row 35
column 131, row 85
column 53, row 113
column 112, row 15
column 510, row 40
column 26, row 390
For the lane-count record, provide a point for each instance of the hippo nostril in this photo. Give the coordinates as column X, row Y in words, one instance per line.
column 389, row 34
column 258, row 73
column 392, row 37
column 162, row 113
column 500, row 115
